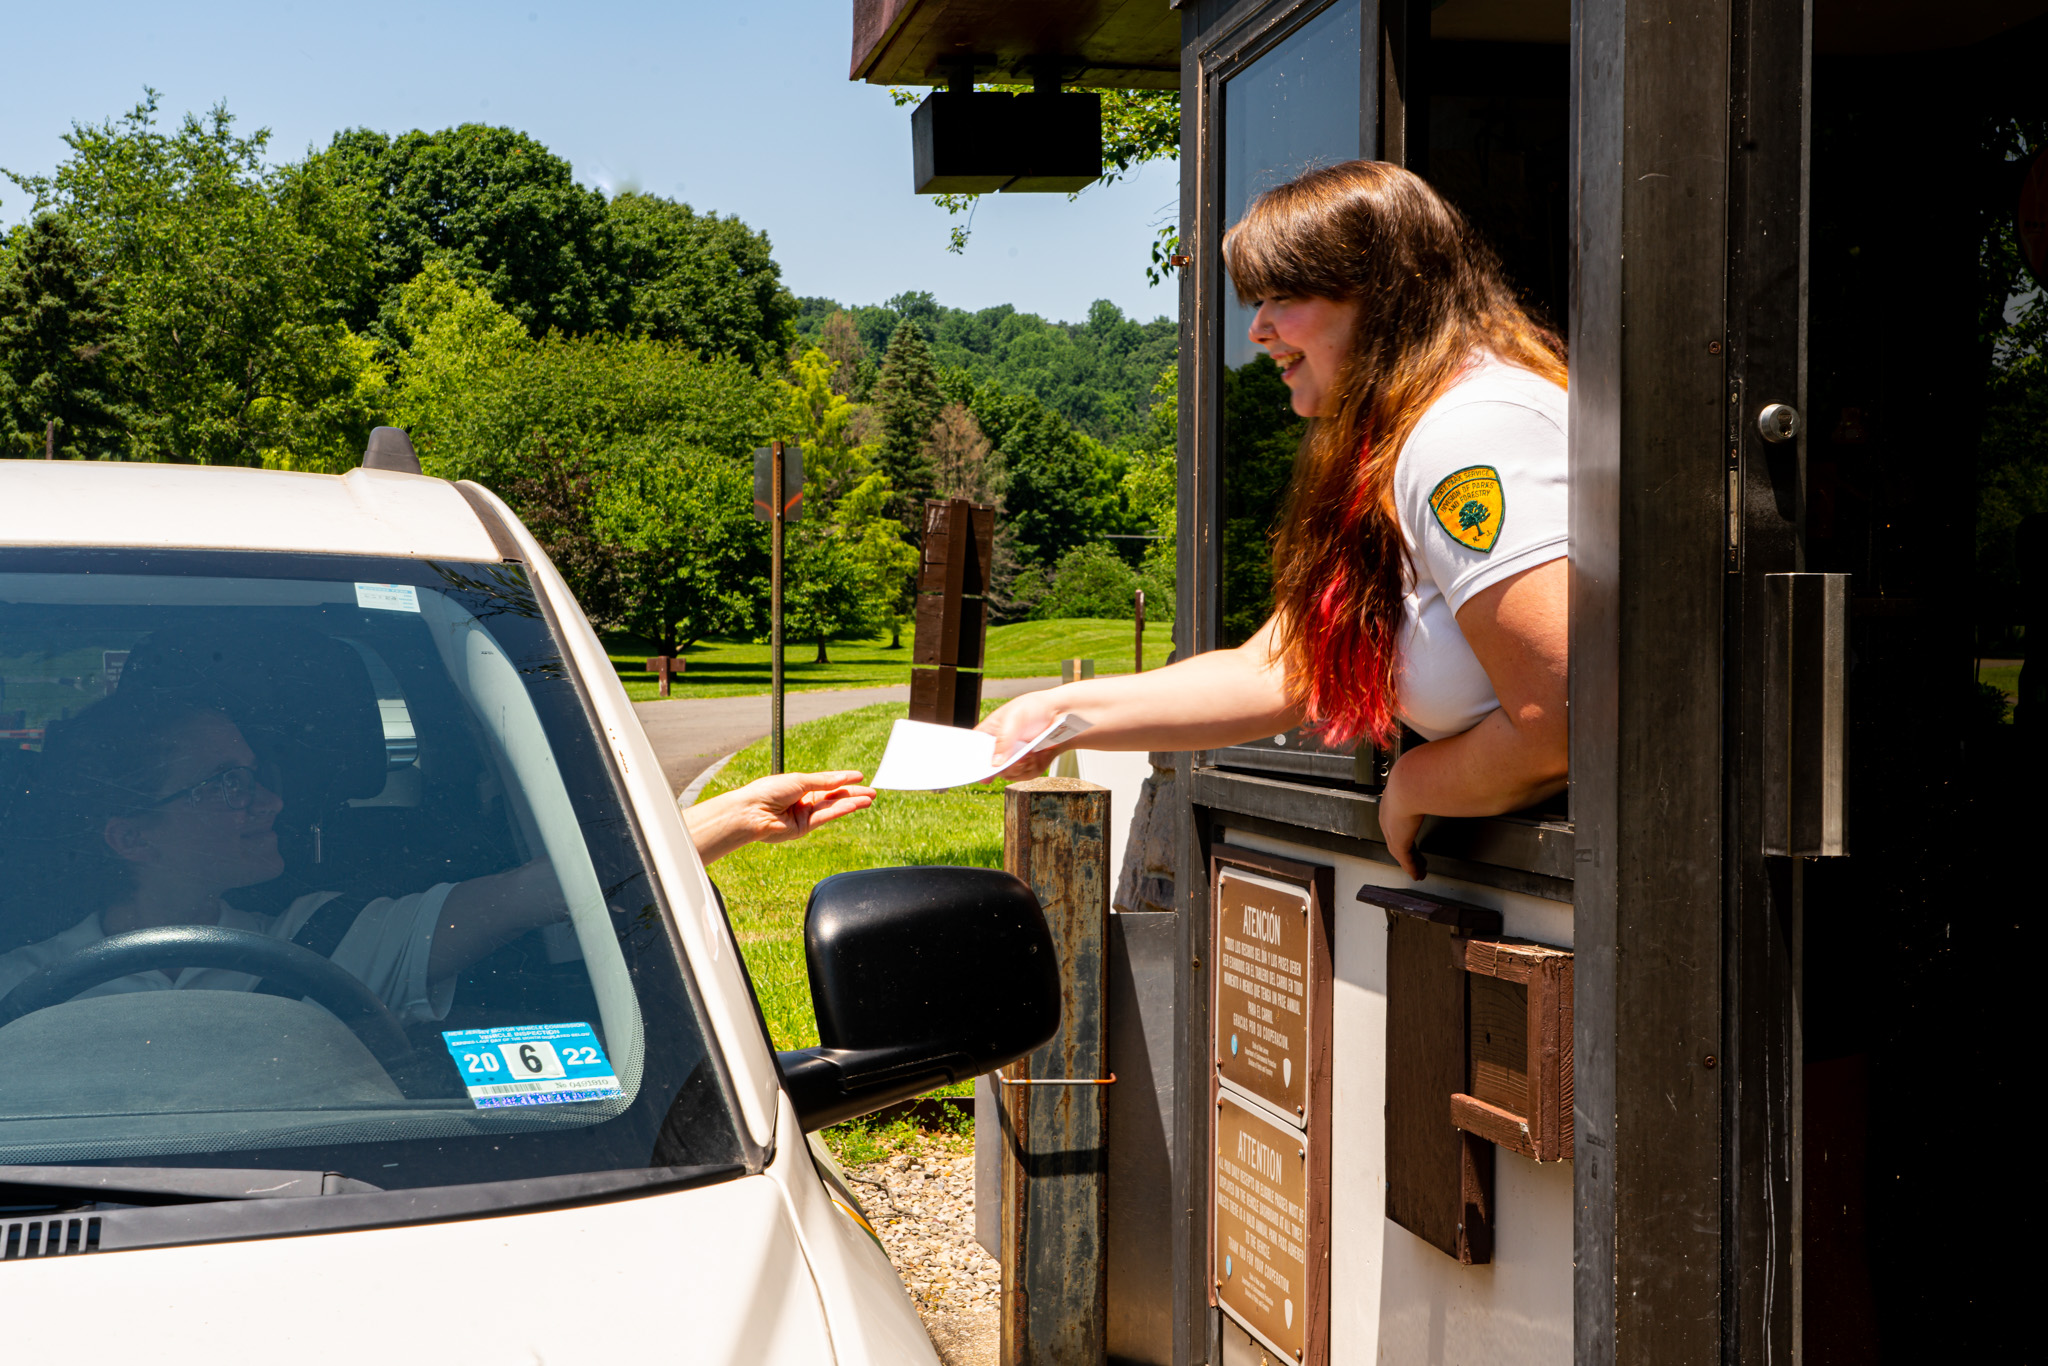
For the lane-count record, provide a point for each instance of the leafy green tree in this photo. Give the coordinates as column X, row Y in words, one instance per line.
column 882, row 558
column 1089, row 581
column 1261, row 434
column 907, row 402
column 1151, row 493
column 477, row 394
column 822, row 420
column 702, row 280
column 1063, row 489
column 57, row 379
column 557, row 494
column 692, row 560
column 230, row 279
column 823, row 591
column 847, row 502
column 500, row 207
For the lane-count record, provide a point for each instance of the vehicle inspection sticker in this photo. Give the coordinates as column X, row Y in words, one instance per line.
column 552, row 1064
column 388, row 597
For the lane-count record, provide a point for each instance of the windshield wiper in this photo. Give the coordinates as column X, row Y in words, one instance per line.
column 170, row 1185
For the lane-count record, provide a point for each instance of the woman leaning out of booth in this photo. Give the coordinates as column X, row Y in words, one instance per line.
column 1419, row 570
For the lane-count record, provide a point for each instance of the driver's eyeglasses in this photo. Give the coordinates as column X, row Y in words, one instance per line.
column 232, row 789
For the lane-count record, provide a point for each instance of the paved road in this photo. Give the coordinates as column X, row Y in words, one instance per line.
column 690, row 734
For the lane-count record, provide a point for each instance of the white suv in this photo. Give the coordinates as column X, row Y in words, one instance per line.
column 362, row 997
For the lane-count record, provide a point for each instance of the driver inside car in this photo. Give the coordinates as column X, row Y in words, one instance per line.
column 159, row 812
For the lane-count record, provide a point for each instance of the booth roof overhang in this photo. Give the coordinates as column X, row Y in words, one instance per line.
column 1098, row 44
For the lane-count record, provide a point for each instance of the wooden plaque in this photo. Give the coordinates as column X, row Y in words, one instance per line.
column 1262, row 988
column 1269, row 1238
column 1272, row 940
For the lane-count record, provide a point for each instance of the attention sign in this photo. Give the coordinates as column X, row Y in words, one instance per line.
column 1262, row 1237
column 1261, row 1018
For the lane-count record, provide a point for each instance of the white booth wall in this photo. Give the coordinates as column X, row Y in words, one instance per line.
column 1394, row 1298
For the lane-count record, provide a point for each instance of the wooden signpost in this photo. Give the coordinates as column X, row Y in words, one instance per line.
column 778, row 500
column 1272, row 940
column 664, row 665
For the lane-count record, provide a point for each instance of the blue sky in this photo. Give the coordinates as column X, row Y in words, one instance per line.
column 741, row 108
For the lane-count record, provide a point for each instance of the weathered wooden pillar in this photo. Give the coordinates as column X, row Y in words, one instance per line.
column 1054, row 1105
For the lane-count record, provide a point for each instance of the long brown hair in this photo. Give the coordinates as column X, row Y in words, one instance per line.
column 1431, row 296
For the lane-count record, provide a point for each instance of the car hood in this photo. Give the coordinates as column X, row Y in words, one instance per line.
column 708, row 1276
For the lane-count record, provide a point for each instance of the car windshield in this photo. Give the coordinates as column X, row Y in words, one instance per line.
column 317, row 862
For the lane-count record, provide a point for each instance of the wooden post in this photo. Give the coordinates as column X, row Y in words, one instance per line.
column 1138, row 648
column 1055, row 1210
column 663, row 667
column 952, row 618
column 775, row 524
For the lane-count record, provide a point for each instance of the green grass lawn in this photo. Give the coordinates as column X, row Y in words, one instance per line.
column 767, row 885
column 1030, row 649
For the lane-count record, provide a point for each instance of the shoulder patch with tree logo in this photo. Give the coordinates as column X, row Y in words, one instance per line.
column 1470, row 505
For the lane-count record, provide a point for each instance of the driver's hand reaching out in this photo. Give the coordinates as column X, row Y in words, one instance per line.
column 784, row 806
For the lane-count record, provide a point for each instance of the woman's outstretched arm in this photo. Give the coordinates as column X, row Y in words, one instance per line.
column 1218, row 698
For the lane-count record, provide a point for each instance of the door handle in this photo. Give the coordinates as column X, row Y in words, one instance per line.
column 1806, row 715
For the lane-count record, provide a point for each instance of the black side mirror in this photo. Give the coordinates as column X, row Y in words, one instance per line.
column 920, row 977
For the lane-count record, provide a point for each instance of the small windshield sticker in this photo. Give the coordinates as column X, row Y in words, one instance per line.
column 553, row 1064
column 388, row 597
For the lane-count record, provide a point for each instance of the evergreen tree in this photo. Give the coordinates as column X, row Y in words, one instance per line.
column 56, row 369
column 908, row 401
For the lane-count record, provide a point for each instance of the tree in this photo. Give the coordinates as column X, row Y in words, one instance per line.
column 1090, row 581
column 962, row 459
column 558, row 498
column 907, row 400
column 502, row 209
column 884, row 560
column 691, row 558
column 1151, row 491
column 702, row 280
column 57, row 381
column 841, row 341
column 230, row 279
column 1063, row 488
column 822, row 587
column 476, row 392
column 1262, row 434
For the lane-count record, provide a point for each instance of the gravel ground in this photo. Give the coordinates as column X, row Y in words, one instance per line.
column 922, row 1204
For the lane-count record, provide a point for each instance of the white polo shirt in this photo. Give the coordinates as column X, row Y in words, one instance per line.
column 1482, row 495
column 386, row 949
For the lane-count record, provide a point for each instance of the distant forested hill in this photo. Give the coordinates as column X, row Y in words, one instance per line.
column 1097, row 374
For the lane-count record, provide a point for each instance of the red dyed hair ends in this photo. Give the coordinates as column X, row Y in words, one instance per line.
column 1431, row 297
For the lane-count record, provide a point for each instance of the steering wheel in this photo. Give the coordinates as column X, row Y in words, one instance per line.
column 286, row 969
